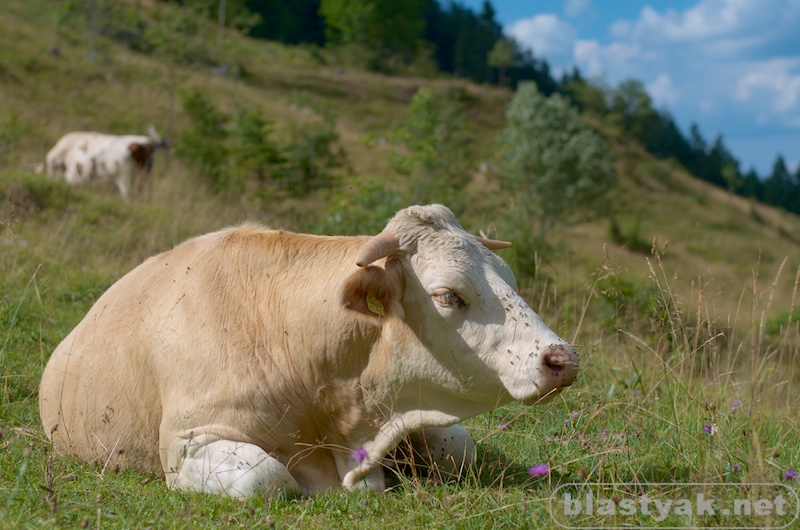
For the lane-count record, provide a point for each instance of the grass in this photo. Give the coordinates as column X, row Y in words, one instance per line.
column 668, row 343
column 653, row 376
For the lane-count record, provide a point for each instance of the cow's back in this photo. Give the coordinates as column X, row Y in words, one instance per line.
column 173, row 344
column 100, row 393
column 60, row 155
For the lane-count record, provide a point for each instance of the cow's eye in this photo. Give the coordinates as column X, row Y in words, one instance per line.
column 447, row 298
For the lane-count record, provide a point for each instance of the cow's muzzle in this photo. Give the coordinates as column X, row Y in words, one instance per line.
column 560, row 362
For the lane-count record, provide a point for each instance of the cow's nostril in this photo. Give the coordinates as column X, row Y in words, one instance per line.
column 560, row 357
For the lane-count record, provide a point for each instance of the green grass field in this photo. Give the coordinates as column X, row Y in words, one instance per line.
column 662, row 397
column 689, row 355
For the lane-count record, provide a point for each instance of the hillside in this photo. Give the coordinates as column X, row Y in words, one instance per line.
column 716, row 239
column 671, row 344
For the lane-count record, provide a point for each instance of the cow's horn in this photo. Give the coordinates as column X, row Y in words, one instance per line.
column 376, row 248
column 494, row 244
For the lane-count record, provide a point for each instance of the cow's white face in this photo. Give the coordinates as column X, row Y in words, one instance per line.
column 474, row 322
column 479, row 339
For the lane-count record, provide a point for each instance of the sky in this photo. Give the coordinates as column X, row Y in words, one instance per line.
column 731, row 66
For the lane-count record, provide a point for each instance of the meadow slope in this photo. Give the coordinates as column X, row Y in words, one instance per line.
column 688, row 332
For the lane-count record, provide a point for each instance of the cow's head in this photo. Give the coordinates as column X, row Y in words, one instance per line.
column 142, row 153
column 479, row 341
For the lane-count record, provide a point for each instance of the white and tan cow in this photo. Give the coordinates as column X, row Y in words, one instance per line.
column 249, row 360
column 92, row 158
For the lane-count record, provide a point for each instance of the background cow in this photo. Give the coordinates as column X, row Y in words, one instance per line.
column 249, row 360
column 89, row 158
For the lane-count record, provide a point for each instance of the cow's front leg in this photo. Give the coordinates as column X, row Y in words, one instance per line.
column 450, row 448
column 374, row 479
column 443, row 453
column 207, row 464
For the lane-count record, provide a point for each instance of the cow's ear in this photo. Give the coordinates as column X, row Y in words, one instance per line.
column 369, row 291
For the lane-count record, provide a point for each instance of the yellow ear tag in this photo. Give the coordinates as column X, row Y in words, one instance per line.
column 375, row 305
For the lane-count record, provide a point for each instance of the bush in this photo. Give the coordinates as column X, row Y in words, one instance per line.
column 312, row 158
column 203, row 145
column 228, row 152
column 251, row 148
column 436, row 149
column 630, row 240
column 553, row 163
column 362, row 208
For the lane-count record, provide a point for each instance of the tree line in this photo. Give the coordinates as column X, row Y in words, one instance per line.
column 630, row 108
column 450, row 38
column 470, row 44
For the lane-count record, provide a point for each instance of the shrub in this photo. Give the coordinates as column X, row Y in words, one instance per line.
column 312, row 157
column 435, row 146
column 553, row 163
column 203, row 144
column 361, row 208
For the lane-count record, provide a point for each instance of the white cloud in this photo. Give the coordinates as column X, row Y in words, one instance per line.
column 547, row 35
column 717, row 28
column 596, row 60
column 773, row 88
column 573, row 8
column 708, row 19
column 725, row 61
column 620, row 29
column 732, row 66
column 661, row 89
column 778, row 80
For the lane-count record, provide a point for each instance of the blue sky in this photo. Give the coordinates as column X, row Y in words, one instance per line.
column 731, row 66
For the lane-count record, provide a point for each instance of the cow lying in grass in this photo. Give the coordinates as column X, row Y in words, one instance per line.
column 248, row 361
column 92, row 158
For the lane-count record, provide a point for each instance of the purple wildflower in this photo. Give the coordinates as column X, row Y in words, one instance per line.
column 503, row 427
column 790, row 474
column 735, row 406
column 539, row 470
column 736, row 467
column 605, row 432
column 637, row 392
column 566, row 421
column 576, row 415
column 710, row 430
column 359, row 455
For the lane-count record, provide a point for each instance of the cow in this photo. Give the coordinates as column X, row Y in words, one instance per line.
column 91, row 158
column 250, row 361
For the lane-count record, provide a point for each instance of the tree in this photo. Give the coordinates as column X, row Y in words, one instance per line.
column 313, row 158
column 290, row 22
column 752, row 185
column 555, row 166
column 632, row 108
column 474, row 36
column 585, row 95
column 500, row 57
column 667, row 141
column 384, row 28
column 779, row 186
column 722, row 168
column 527, row 67
column 252, row 149
column 435, row 154
column 203, row 143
